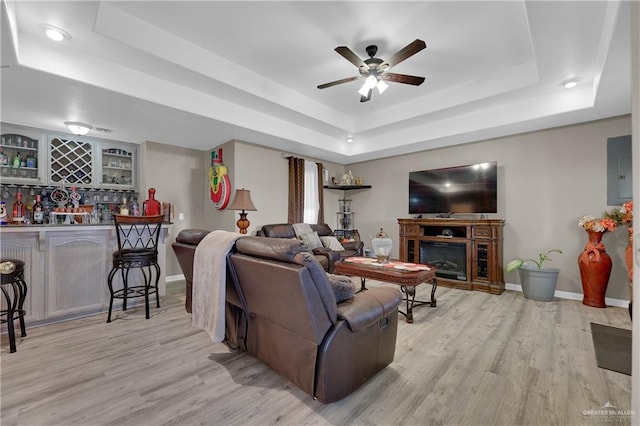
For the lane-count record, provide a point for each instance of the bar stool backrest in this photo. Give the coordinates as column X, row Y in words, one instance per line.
column 138, row 232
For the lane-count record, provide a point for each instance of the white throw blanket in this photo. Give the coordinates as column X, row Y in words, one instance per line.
column 209, row 282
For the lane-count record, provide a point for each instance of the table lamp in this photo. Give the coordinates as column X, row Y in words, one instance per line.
column 242, row 201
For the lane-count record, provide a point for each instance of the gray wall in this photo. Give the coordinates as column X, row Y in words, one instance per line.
column 180, row 176
column 213, row 218
column 264, row 172
column 175, row 173
column 547, row 181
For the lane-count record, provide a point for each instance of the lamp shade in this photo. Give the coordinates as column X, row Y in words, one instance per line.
column 242, row 201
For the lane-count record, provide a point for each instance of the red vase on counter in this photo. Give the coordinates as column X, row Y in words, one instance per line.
column 595, row 269
column 151, row 207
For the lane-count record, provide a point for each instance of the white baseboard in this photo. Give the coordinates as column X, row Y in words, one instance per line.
column 620, row 303
column 173, row 278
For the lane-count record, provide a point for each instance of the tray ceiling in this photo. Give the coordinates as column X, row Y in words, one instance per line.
column 197, row 74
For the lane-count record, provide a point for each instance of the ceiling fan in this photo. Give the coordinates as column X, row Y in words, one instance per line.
column 374, row 70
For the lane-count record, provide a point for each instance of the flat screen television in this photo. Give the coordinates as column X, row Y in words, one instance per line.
column 463, row 189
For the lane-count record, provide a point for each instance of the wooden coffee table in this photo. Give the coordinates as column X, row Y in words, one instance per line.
column 407, row 275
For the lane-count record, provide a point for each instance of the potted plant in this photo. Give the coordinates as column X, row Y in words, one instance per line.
column 538, row 282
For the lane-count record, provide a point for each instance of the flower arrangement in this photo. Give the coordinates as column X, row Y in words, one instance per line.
column 597, row 224
column 622, row 215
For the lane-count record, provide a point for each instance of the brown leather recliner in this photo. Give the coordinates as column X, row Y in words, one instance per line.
column 295, row 326
column 283, row 311
column 325, row 256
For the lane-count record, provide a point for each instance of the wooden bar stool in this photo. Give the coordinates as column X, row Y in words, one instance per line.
column 14, row 290
column 137, row 249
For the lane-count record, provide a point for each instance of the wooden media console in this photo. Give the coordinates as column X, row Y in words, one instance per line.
column 467, row 253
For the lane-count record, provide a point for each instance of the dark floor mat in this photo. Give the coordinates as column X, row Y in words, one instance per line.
column 613, row 347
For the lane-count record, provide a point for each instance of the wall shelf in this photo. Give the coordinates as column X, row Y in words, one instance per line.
column 346, row 187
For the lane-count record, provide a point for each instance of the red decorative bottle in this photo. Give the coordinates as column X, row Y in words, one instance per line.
column 151, row 207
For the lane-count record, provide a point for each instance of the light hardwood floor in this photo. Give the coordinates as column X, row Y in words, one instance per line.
column 476, row 359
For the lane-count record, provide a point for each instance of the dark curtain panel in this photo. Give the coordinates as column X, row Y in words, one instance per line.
column 320, row 193
column 296, row 190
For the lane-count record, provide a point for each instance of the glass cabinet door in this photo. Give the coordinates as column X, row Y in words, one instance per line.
column 482, row 263
column 118, row 166
column 21, row 159
column 71, row 161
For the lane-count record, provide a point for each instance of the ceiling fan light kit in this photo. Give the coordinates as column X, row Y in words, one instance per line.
column 382, row 86
column 369, row 83
column 374, row 70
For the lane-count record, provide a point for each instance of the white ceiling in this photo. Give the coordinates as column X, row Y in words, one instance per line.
column 197, row 74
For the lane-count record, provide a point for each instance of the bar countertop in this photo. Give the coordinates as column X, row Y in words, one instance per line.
column 66, row 227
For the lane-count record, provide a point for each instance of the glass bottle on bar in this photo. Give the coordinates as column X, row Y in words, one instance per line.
column 74, row 198
column 124, row 207
column 135, row 207
column 18, row 209
column 38, row 211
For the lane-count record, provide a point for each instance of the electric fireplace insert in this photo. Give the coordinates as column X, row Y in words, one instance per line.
column 449, row 258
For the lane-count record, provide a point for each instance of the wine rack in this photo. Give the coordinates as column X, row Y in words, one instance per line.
column 71, row 161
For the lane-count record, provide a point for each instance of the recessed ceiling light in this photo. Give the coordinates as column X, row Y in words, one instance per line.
column 78, row 128
column 570, row 82
column 55, row 33
column 350, row 139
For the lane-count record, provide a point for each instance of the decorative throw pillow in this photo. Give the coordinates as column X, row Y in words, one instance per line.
column 301, row 228
column 311, row 240
column 342, row 286
column 332, row 243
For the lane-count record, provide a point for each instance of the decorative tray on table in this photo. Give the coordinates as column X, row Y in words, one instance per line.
column 401, row 266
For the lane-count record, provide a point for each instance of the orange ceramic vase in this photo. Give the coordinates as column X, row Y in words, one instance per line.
column 595, row 269
column 628, row 253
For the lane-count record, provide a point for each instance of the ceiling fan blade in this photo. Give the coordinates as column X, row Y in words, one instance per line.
column 402, row 54
column 366, row 98
column 334, row 83
column 403, row 78
column 348, row 54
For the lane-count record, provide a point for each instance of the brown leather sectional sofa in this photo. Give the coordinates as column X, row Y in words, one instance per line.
column 284, row 312
column 325, row 256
